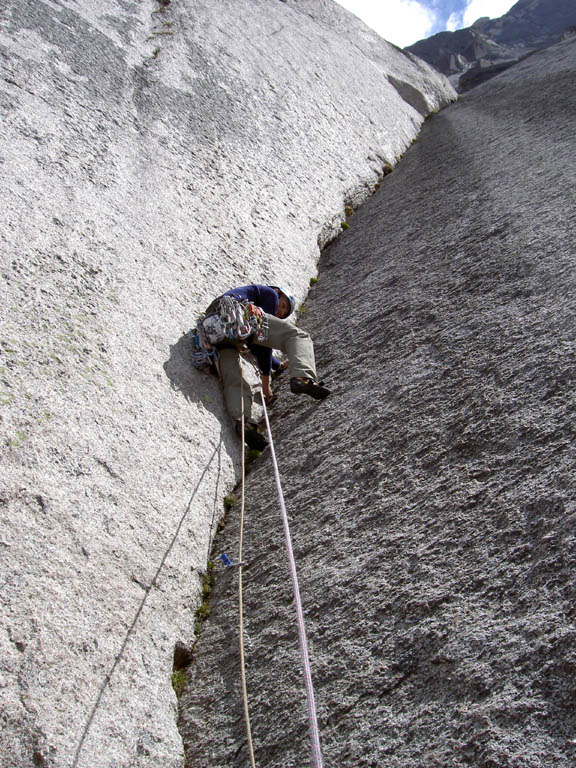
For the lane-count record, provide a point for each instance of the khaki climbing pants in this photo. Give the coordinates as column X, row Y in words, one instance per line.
column 278, row 334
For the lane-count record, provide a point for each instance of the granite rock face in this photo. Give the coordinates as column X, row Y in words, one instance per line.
column 472, row 55
column 153, row 154
column 432, row 496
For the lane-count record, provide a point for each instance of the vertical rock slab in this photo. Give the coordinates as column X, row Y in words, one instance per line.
column 153, row 154
column 432, row 495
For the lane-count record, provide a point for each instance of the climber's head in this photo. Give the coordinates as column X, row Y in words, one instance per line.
column 286, row 303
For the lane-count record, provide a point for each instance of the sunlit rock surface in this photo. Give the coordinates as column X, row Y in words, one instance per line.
column 153, row 154
column 432, row 496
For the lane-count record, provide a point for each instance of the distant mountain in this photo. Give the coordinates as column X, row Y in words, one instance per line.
column 474, row 54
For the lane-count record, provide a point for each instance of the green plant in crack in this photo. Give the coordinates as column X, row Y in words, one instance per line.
column 229, row 501
column 203, row 610
column 178, row 681
column 207, row 584
column 252, row 455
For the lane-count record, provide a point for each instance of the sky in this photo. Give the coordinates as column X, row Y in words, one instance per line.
column 403, row 22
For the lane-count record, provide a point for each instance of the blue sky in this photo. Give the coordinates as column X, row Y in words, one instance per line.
column 403, row 22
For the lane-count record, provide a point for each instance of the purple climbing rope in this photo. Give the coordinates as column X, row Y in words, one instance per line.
column 313, row 720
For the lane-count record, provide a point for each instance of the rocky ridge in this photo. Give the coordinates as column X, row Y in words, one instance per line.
column 474, row 54
column 153, row 154
column 432, row 496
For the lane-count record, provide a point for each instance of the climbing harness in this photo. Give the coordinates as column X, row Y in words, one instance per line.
column 227, row 321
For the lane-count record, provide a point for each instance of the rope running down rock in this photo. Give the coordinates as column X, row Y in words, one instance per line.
column 312, row 717
column 240, row 594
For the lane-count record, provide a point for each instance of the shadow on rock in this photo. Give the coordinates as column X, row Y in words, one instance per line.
column 202, row 389
column 197, row 387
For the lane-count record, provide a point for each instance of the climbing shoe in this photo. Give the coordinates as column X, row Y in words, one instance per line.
column 253, row 439
column 308, row 387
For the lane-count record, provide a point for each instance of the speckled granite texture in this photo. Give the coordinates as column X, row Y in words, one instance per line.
column 152, row 155
column 432, row 495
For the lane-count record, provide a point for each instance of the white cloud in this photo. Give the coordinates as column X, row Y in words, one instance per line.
column 454, row 21
column 491, row 8
column 402, row 22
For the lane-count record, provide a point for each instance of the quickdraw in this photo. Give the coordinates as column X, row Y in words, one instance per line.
column 226, row 321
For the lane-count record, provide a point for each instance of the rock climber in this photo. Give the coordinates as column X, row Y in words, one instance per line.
column 280, row 334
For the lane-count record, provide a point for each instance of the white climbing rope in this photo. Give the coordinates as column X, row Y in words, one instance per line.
column 240, row 595
column 312, row 717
